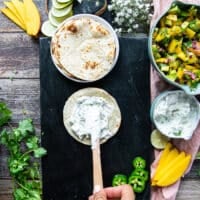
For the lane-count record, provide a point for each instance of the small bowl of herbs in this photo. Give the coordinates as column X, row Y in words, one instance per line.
column 174, row 46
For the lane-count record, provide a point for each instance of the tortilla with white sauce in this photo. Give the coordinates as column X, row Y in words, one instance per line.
column 113, row 122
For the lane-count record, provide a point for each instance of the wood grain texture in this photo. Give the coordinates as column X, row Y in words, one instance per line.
column 23, row 98
column 6, row 189
column 189, row 190
column 19, row 88
column 19, row 57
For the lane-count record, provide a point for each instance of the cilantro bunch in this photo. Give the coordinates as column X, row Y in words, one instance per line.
column 24, row 151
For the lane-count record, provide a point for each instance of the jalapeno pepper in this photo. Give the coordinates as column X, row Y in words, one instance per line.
column 119, row 179
column 137, row 183
column 139, row 163
column 141, row 173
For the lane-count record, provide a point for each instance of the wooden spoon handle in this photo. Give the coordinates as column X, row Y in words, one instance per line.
column 97, row 171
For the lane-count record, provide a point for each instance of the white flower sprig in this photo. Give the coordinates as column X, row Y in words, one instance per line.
column 131, row 16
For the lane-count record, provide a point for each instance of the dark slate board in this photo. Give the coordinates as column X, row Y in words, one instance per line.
column 67, row 169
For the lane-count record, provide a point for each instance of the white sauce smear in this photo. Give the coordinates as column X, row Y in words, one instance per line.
column 90, row 118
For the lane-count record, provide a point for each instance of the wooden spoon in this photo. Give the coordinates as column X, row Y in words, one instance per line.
column 97, row 170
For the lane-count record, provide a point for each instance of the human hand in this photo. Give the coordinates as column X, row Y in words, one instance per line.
column 123, row 192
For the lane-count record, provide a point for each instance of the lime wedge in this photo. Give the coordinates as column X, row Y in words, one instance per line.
column 63, row 1
column 56, row 21
column 61, row 12
column 58, row 5
column 158, row 140
column 48, row 29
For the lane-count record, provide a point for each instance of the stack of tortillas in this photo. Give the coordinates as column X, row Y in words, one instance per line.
column 84, row 48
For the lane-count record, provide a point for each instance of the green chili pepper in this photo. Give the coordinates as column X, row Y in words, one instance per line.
column 119, row 179
column 141, row 173
column 139, row 163
column 137, row 183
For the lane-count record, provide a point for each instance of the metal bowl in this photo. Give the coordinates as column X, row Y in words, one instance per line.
column 105, row 24
column 186, row 88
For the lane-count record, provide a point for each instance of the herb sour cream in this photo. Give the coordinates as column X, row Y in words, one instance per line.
column 176, row 114
column 90, row 118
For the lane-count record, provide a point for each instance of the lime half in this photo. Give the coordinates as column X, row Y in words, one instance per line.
column 158, row 140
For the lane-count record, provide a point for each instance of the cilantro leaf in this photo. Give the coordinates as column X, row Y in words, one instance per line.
column 39, row 152
column 4, row 137
column 35, row 195
column 25, row 127
column 16, row 166
column 32, row 142
column 5, row 114
column 19, row 194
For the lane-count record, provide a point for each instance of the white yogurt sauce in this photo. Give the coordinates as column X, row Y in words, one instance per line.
column 90, row 118
column 176, row 114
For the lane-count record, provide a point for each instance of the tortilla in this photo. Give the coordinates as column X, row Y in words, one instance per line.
column 114, row 120
column 84, row 47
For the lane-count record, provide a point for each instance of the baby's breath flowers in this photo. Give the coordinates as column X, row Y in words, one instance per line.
column 131, row 16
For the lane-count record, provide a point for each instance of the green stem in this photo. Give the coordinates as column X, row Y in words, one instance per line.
column 22, row 186
column 9, row 124
column 27, row 152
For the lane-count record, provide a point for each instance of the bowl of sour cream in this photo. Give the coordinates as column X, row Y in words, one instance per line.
column 175, row 114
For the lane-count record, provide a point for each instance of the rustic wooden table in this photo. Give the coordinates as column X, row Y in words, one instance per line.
column 19, row 88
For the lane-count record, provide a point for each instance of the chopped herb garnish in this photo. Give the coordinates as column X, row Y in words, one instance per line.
column 177, row 133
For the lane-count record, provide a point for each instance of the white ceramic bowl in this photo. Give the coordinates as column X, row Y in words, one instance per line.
column 107, row 26
column 175, row 114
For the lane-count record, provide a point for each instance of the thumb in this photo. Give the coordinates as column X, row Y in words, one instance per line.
column 101, row 195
